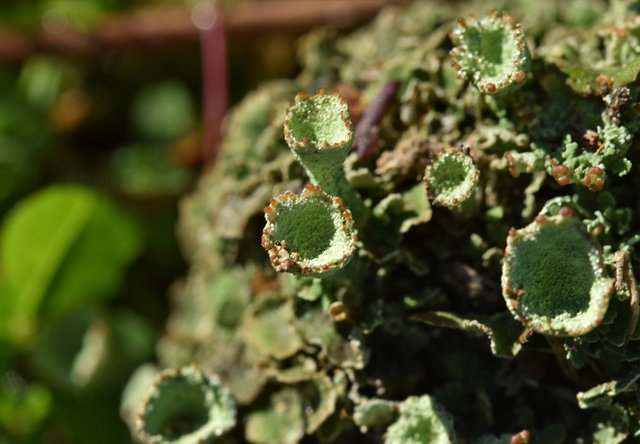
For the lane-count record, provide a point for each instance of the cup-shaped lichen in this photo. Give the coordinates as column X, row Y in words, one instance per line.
column 309, row 234
column 319, row 132
column 421, row 421
column 450, row 176
column 185, row 406
column 491, row 52
column 553, row 277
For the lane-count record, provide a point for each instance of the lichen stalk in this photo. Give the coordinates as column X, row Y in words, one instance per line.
column 319, row 132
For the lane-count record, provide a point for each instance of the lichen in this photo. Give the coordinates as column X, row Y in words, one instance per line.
column 490, row 51
column 392, row 327
column 451, row 176
column 308, row 234
column 421, row 421
column 553, row 277
column 184, row 406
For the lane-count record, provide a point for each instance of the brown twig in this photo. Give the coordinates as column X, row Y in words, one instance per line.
column 157, row 28
column 366, row 134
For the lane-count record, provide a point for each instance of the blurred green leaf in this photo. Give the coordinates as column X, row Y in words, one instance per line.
column 22, row 407
column 63, row 247
column 24, row 138
column 41, row 80
column 87, row 349
column 147, row 171
column 163, row 111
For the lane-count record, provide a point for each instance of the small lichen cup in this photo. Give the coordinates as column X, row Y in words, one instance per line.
column 308, row 234
column 491, row 52
column 319, row 132
column 184, row 406
column 450, row 176
column 553, row 276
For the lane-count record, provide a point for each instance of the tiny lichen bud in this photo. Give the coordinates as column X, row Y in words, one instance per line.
column 491, row 52
column 553, row 277
column 561, row 174
column 184, row 406
column 309, row 234
column 593, row 179
column 450, row 177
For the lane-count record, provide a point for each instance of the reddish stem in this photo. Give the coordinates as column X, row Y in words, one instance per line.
column 214, row 86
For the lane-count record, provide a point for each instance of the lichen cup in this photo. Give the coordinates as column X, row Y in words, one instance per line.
column 450, row 177
column 491, row 52
column 319, row 132
column 553, row 276
column 185, row 406
column 308, row 234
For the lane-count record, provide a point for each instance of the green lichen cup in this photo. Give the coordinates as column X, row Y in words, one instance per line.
column 553, row 277
column 184, row 406
column 450, row 177
column 308, row 234
column 319, row 123
column 491, row 52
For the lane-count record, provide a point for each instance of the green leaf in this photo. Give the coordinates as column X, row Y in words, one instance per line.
column 163, row 111
column 62, row 247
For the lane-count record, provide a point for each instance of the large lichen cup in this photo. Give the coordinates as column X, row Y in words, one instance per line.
column 491, row 52
column 553, row 277
column 308, row 234
column 450, row 177
column 319, row 132
column 184, row 406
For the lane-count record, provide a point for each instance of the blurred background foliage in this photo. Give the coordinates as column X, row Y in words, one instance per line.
column 95, row 151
